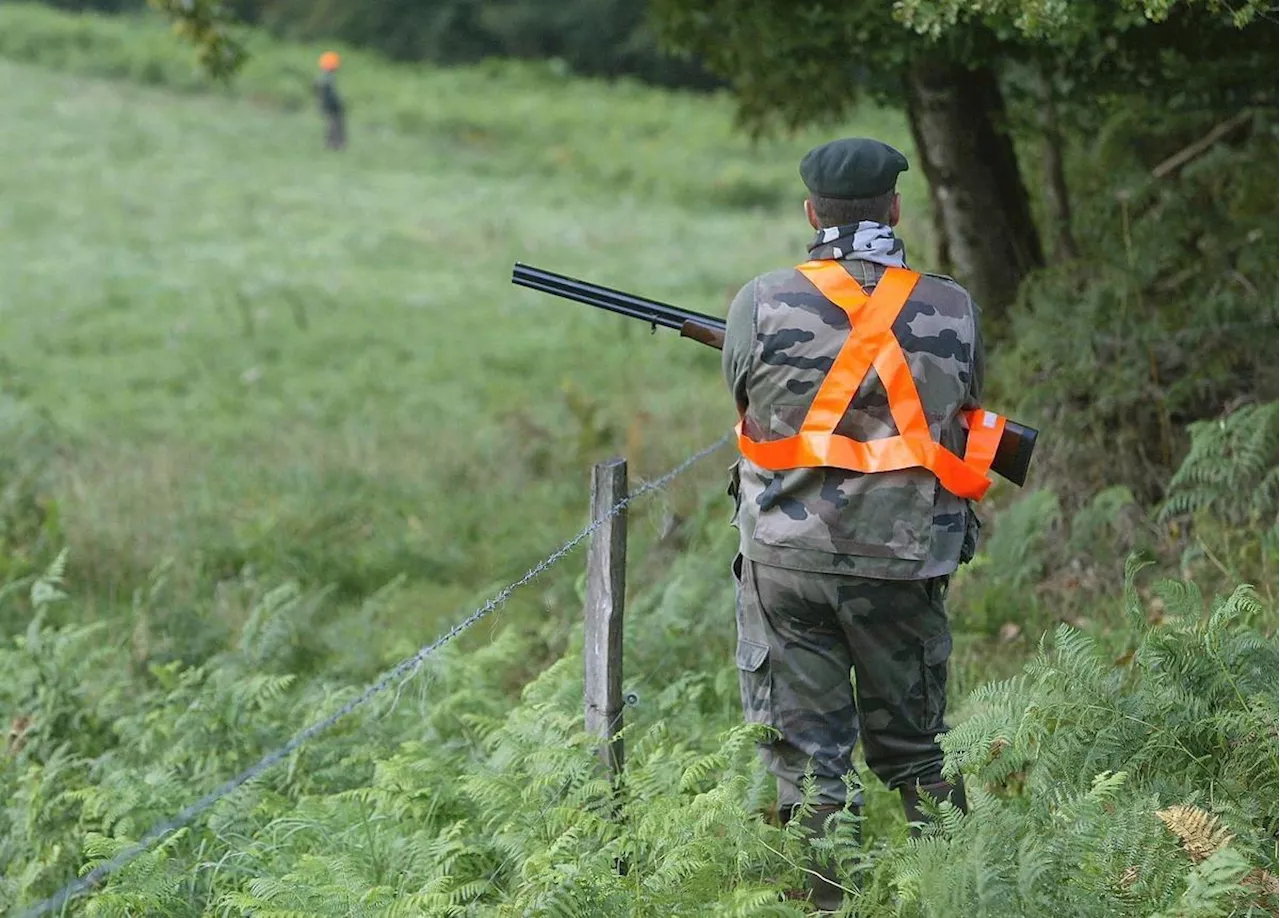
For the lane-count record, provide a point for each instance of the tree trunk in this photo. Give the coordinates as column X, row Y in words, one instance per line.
column 941, row 251
column 1057, row 197
column 957, row 117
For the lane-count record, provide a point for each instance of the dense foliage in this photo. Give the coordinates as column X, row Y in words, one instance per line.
column 1173, row 294
column 1169, row 51
column 1086, row 772
column 1081, row 752
column 1055, row 21
column 597, row 37
column 990, row 88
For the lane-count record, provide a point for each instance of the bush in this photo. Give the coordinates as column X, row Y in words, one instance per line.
column 1167, row 319
column 595, row 37
column 1087, row 771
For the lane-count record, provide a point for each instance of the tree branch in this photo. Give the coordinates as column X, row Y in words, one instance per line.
column 1201, row 146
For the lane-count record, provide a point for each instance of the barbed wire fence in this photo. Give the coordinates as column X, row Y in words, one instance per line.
column 397, row 675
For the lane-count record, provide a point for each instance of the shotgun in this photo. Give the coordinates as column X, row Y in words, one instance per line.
column 1013, row 457
column 707, row 329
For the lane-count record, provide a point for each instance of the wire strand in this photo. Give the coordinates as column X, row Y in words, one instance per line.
column 403, row 670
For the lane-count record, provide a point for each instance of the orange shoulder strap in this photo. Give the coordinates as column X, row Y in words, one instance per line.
column 871, row 343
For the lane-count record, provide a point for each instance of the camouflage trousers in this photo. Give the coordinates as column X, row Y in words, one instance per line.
column 801, row 634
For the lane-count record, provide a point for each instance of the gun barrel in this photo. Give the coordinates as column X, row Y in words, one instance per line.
column 590, row 300
column 627, row 304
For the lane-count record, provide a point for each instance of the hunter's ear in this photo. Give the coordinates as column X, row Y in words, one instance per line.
column 811, row 215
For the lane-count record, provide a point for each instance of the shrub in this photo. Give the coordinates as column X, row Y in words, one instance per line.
column 1076, row 764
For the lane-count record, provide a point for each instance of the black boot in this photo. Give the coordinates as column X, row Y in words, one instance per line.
column 940, row 791
column 824, row 888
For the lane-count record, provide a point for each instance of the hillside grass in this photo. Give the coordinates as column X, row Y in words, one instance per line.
column 254, row 353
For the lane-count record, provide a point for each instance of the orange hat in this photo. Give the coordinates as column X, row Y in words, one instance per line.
column 330, row 60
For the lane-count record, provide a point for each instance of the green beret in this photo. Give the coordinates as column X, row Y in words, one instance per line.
column 852, row 167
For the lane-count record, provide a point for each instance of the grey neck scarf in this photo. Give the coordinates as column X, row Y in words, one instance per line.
column 874, row 242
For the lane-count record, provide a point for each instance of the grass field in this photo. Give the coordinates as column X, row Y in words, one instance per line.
column 258, row 353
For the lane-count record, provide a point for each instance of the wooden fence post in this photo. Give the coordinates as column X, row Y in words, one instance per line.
column 606, row 588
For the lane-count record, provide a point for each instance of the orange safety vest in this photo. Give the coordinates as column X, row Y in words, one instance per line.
column 818, row 445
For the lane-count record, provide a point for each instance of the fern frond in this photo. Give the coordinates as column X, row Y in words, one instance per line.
column 1231, row 469
column 1200, row 833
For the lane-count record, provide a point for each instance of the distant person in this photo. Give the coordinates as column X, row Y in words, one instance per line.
column 857, row 381
column 335, row 133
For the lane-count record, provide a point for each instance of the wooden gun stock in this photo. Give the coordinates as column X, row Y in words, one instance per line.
column 710, row 335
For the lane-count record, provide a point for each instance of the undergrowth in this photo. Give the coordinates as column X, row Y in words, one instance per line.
column 445, row 800
column 1224, row 496
column 1166, row 319
column 1129, row 770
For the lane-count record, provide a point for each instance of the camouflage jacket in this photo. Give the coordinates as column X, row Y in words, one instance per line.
column 781, row 338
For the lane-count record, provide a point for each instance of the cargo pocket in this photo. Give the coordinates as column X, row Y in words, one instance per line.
column 755, row 682
column 755, row 678
column 935, row 653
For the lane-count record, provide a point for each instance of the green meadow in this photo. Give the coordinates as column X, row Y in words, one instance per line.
column 255, row 353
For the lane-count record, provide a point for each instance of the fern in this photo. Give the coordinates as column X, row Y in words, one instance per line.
column 1213, row 888
column 461, row 800
column 47, row 588
column 1020, row 542
column 1089, row 760
column 1231, row 470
